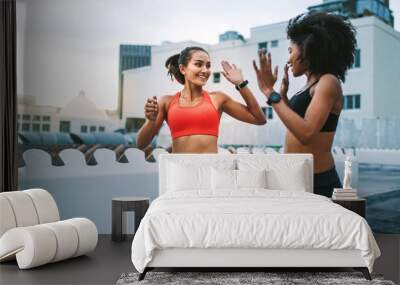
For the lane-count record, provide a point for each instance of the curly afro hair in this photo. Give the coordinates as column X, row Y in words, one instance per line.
column 327, row 42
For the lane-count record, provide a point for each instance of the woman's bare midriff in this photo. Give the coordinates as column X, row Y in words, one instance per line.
column 320, row 146
column 195, row 144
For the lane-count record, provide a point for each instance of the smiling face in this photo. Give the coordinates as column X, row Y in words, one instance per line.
column 294, row 60
column 198, row 69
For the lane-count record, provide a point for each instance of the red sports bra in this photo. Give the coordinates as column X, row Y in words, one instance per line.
column 201, row 119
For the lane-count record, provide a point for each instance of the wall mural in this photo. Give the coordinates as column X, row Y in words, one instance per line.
column 82, row 86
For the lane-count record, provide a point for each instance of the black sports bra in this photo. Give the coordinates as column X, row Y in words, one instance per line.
column 299, row 103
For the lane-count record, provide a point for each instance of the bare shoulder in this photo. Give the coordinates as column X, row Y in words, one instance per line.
column 164, row 101
column 329, row 80
column 219, row 96
column 328, row 83
column 166, row 98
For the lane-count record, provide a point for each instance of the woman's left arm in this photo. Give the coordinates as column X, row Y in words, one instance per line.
column 249, row 113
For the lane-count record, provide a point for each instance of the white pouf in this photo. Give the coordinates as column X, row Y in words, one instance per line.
column 31, row 232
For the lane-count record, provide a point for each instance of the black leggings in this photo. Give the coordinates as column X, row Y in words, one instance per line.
column 324, row 182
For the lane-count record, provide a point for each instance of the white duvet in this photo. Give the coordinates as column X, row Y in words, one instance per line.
column 250, row 219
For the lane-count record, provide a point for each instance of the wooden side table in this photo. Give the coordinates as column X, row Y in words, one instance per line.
column 358, row 205
column 125, row 204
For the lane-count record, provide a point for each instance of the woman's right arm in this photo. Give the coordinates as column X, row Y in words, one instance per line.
column 155, row 113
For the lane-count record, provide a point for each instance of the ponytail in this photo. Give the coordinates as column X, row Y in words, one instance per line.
column 173, row 62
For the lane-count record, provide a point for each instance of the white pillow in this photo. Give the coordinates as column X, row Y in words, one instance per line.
column 251, row 178
column 182, row 177
column 223, row 179
column 281, row 174
column 186, row 174
column 227, row 179
column 293, row 180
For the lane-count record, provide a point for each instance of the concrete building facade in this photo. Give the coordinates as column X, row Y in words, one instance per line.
column 80, row 115
column 371, row 89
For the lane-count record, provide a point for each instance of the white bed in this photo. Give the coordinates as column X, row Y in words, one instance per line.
column 226, row 217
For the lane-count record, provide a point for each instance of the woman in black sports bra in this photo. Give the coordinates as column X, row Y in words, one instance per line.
column 322, row 47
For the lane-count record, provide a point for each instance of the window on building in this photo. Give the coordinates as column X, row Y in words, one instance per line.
column 83, row 129
column 36, row 118
column 351, row 102
column 36, row 127
column 102, row 129
column 65, row 126
column 18, row 126
column 18, row 116
column 26, row 127
column 46, row 118
column 26, row 117
column 274, row 43
column 268, row 112
column 357, row 102
column 92, row 129
column 216, row 77
column 348, row 102
column 357, row 59
column 45, row 128
column 263, row 45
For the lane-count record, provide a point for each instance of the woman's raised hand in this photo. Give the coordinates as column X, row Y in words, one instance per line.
column 232, row 73
column 151, row 108
column 265, row 77
column 285, row 82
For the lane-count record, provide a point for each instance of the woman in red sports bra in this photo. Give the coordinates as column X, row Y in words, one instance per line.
column 193, row 114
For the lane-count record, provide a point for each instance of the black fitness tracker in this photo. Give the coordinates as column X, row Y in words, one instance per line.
column 242, row 85
column 273, row 98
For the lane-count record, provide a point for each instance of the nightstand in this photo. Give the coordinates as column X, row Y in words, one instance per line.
column 124, row 204
column 358, row 205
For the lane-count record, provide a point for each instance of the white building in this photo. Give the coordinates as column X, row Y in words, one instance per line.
column 35, row 118
column 80, row 115
column 371, row 89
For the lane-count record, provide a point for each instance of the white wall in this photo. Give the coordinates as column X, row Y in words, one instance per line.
column 82, row 190
column 387, row 71
column 361, row 80
column 378, row 79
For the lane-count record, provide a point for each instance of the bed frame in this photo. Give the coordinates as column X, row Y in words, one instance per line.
column 249, row 258
column 242, row 259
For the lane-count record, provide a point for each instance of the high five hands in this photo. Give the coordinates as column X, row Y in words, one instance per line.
column 232, row 73
column 285, row 82
column 266, row 78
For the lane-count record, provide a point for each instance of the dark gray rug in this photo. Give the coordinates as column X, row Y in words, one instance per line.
column 230, row 278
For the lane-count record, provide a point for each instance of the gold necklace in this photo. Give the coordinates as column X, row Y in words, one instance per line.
column 182, row 99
